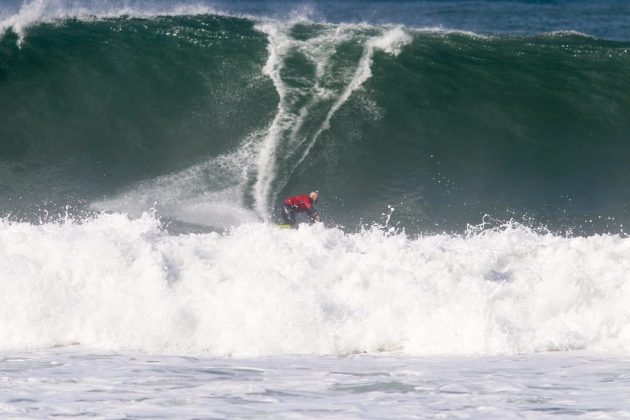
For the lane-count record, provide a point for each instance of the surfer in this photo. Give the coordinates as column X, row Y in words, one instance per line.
column 300, row 204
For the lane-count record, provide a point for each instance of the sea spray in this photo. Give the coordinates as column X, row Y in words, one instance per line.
column 115, row 283
column 211, row 193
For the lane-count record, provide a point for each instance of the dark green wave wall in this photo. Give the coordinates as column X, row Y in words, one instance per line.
column 454, row 127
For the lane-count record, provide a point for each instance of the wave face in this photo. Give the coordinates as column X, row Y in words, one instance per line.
column 214, row 119
column 119, row 284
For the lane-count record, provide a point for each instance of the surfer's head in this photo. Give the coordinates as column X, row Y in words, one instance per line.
column 314, row 196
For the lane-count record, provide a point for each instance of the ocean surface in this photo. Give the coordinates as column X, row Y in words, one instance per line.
column 472, row 160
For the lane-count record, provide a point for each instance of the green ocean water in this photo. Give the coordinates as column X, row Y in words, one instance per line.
column 188, row 114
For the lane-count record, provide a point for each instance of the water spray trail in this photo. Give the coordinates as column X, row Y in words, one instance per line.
column 267, row 152
column 285, row 135
column 392, row 41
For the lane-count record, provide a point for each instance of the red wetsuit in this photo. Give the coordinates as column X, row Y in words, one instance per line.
column 298, row 204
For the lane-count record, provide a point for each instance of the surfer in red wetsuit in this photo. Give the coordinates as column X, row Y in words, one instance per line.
column 300, row 204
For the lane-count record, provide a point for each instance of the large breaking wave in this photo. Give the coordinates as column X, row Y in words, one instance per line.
column 209, row 120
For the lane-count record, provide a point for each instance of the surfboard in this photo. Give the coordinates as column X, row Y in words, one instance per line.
column 283, row 226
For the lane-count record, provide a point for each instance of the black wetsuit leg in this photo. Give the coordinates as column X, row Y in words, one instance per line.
column 288, row 215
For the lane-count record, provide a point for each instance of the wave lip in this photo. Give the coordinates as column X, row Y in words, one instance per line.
column 606, row 20
column 114, row 283
column 46, row 11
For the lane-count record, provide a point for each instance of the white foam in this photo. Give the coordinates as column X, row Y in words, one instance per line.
column 115, row 283
column 28, row 14
column 391, row 41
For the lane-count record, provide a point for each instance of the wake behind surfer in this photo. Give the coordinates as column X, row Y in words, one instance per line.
column 300, row 204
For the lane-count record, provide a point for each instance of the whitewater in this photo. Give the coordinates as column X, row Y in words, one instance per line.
column 114, row 317
column 470, row 157
column 114, row 284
